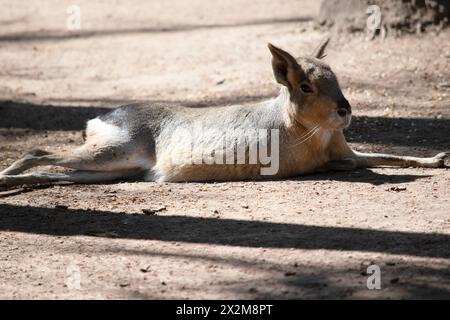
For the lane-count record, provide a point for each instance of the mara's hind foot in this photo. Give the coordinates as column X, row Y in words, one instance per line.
column 82, row 177
column 438, row 161
column 93, row 165
column 29, row 160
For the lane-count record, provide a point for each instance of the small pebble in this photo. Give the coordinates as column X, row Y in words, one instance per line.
column 153, row 211
column 146, row 269
column 396, row 189
column 394, row 280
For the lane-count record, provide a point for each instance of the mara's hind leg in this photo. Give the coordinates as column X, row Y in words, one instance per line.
column 378, row 159
column 86, row 158
column 28, row 161
column 76, row 177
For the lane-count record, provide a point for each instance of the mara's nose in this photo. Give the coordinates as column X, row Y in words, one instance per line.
column 344, row 108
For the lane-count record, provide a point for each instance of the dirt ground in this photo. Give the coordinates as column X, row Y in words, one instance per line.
column 310, row 237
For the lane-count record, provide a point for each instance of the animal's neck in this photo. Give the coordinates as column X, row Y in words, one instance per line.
column 298, row 132
column 283, row 104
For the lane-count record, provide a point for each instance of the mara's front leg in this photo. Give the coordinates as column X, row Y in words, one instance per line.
column 379, row 159
column 344, row 158
column 366, row 160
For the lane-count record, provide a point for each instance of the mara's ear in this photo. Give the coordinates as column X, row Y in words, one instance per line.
column 319, row 52
column 285, row 68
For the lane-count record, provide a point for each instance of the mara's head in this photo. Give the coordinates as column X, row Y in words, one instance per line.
column 315, row 95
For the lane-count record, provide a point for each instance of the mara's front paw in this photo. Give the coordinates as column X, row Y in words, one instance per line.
column 438, row 161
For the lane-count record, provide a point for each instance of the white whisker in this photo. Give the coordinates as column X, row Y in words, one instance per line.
column 308, row 132
column 307, row 136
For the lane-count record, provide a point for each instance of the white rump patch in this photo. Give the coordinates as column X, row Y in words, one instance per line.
column 100, row 132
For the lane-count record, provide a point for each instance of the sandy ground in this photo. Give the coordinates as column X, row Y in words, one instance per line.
column 311, row 237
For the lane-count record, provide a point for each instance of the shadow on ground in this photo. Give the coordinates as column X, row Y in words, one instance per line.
column 278, row 281
column 401, row 281
column 67, row 222
column 363, row 176
column 54, row 35
column 300, row 281
column 411, row 132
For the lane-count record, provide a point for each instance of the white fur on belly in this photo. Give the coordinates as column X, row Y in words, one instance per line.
column 100, row 132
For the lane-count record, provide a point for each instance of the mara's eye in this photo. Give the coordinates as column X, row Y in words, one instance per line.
column 306, row 88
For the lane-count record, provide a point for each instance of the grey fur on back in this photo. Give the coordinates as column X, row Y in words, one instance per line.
column 148, row 123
